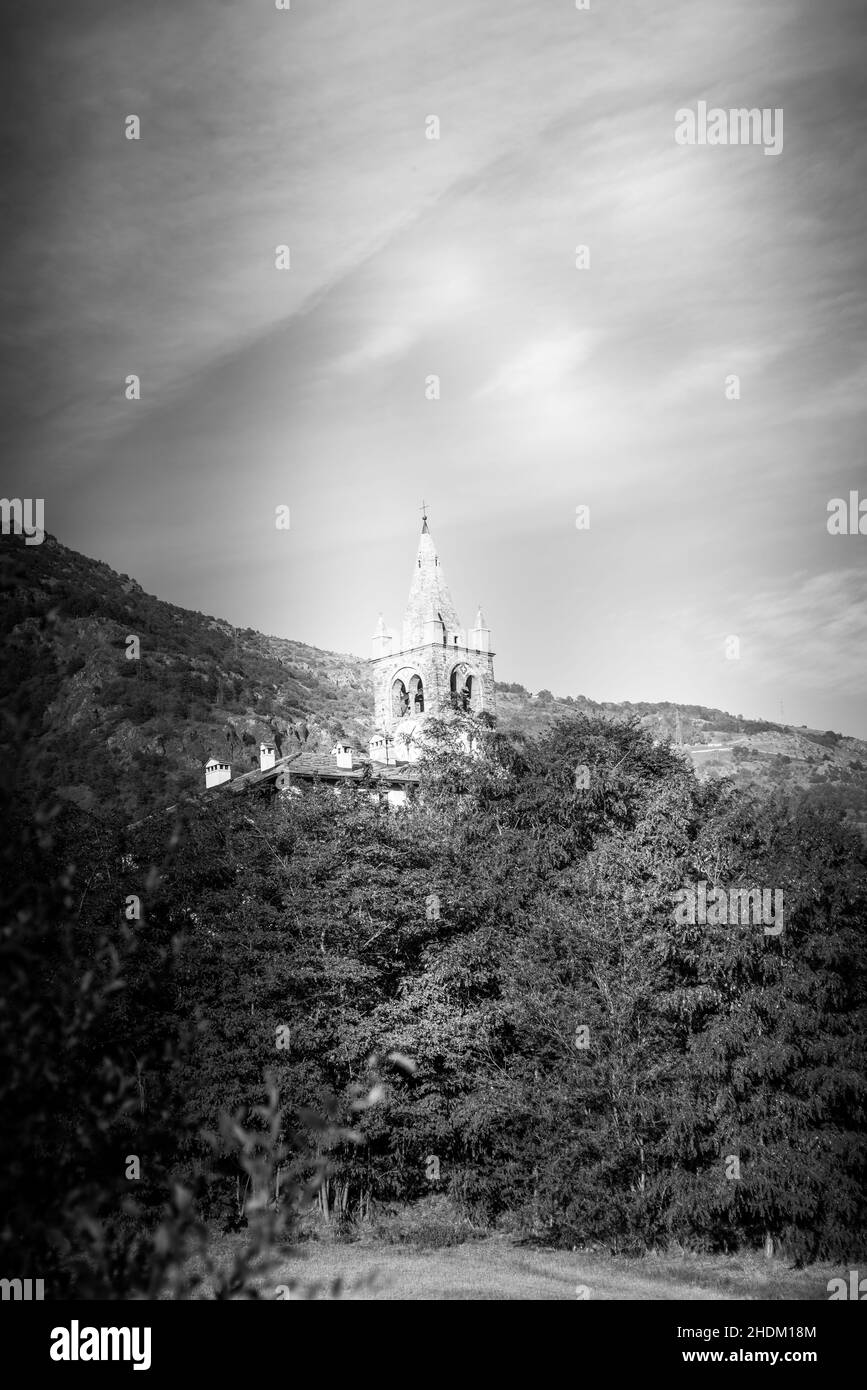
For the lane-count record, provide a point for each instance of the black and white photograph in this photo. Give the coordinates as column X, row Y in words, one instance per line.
column 433, row 734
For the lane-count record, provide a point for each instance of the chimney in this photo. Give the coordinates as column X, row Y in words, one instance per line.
column 216, row 773
column 267, row 756
column 343, row 752
column 380, row 749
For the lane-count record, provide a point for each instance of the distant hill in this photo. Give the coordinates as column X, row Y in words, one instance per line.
column 125, row 736
column 830, row 766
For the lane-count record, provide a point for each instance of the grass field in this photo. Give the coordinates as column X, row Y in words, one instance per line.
column 497, row 1268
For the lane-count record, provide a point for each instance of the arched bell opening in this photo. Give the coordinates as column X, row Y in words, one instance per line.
column 399, row 699
column 416, row 695
column 464, row 689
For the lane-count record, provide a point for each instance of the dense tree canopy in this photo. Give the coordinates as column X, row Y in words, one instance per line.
column 583, row 1066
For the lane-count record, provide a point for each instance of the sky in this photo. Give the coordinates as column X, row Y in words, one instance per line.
column 558, row 387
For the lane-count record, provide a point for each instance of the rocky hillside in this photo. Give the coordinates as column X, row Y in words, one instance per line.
column 828, row 765
column 120, row 733
column 123, row 733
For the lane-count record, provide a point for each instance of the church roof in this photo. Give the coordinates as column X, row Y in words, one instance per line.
column 306, row 767
column 428, row 593
column 309, row 766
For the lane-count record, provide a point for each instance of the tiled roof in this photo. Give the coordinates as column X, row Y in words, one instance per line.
column 308, row 766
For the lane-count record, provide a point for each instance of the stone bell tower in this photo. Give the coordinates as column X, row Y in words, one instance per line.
column 437, row 665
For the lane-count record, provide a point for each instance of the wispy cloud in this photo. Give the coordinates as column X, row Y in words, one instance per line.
column 811, row 633
column 541, row 368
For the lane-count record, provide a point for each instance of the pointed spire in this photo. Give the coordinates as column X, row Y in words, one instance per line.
column 480, row 635
column 427, row 590
column 381, row 638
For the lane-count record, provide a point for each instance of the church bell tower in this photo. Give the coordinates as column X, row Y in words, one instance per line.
column 435, row 667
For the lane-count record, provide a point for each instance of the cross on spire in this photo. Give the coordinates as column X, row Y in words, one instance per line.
column 424, row 515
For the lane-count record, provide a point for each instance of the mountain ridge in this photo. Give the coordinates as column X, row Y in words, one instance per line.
column 112, row 732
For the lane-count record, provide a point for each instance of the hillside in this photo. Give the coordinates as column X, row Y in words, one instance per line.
column 114, row 734
column 830, row 766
